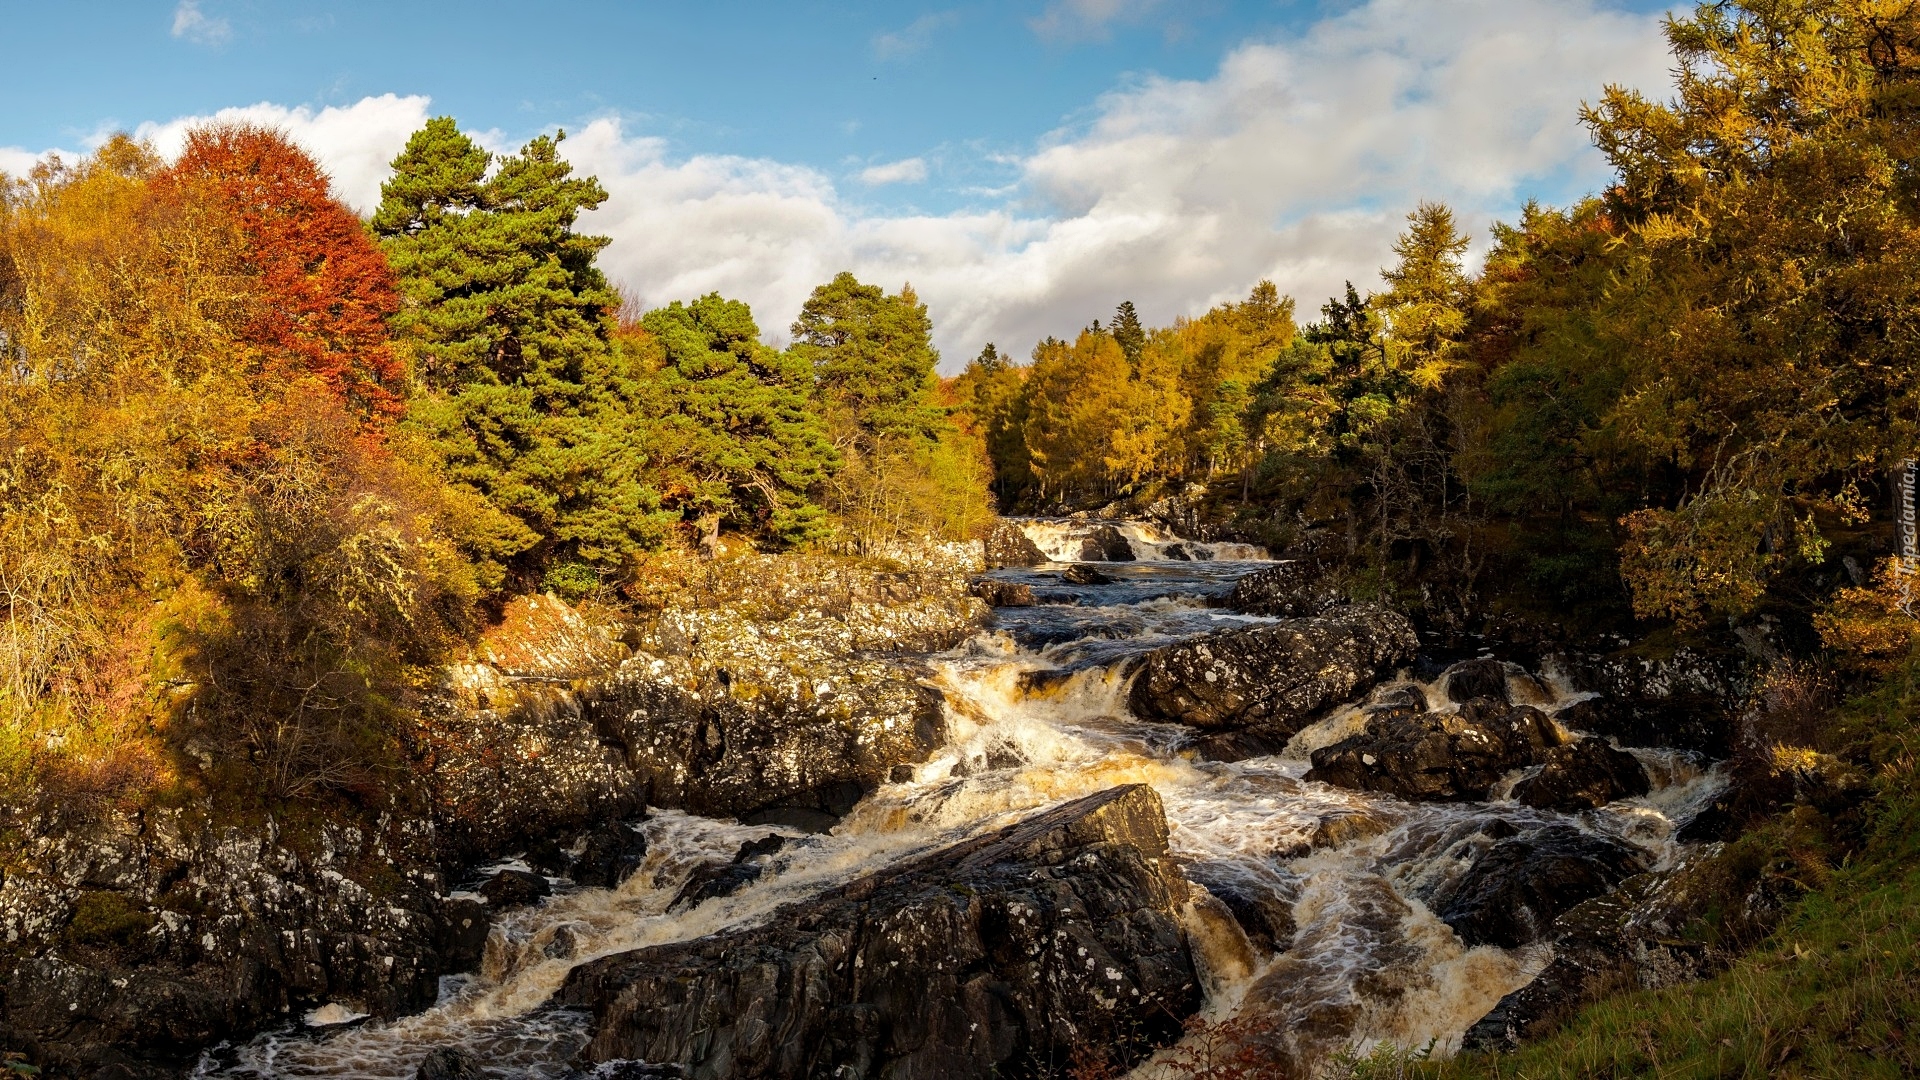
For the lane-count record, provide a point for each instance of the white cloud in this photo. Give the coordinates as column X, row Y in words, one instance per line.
column 1074, row 20
column 1296, row 160
column 911, row 171
column 197, row 26
column 355, row 143
column 914, row 37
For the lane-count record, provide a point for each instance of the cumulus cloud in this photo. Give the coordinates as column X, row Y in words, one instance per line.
column 1073, row 20
column 910, row 171
column 1296, row 160
column 191, row 23
column 914, row 37
column 355, row 142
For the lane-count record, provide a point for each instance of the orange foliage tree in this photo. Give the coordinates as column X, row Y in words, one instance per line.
column 325, row 291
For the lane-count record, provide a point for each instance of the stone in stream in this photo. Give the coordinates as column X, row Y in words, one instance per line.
column 1106, row 543
column 608, row 856
column 448, row 1063
column 1437, row 757
column 1581, row 775
column 1001, row 955
column 514, row 888
column 1273, row 680
column 1472, row 679
column 712, row 880
column 1512, row 893
column 1003, row 593
column 1289, row 590
column 1082, row 574
column 1006, row 544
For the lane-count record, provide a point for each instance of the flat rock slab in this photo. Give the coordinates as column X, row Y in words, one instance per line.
column 1001, row 956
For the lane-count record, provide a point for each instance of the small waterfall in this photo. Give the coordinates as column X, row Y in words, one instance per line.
column 1063, row 540
column 1037, row 710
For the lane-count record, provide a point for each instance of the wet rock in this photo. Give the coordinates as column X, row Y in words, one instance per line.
column 1007, row 545
column 1289, row 590
column 1581, row 775
column 997, row 956
column 999, row 593
column 1272, row 680
column 1398, row 696
column 1513, row 892
column 1471, row 679
column 514, row 888
column 1234, row 745
column 1437, row 756
column 1262, row 911
column 448, row 1063
column 1082, row 574
column 608, row 856
column 712, row 880
column 1105, row 543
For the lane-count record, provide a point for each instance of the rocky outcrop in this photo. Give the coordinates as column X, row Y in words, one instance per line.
column 1473, row 679
column 1270, row 681
column 1290, row 590
column 1437, row 756
column 140, row 938
column 760, row 686
column 1007, row 545
column 1631, row 937
column 1686, row 700
column 1005, row 955
column 1512, row 893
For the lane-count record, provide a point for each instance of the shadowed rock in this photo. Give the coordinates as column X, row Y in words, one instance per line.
column 1437, row 756
column 1513, row 892
column 1472, row 679
column 1006, row 545
column 998, row 956
column 1581, row 775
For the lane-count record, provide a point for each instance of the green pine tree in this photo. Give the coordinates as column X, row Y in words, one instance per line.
column 1126, row 330
column 873, row 359
column 509, row 320
column 735, row 437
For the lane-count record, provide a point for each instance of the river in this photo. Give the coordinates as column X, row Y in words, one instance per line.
column 1037, row 713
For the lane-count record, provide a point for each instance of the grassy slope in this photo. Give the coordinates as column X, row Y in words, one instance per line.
column 1835, row 992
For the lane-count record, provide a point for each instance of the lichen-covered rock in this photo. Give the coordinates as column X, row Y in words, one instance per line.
column 1007, row 545
column 1272, row 680
column 1289, row 590
column 143, row 937
column 999, row 956
column 1437, row 756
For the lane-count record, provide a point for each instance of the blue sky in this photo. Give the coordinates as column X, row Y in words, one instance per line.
column 1025, row 165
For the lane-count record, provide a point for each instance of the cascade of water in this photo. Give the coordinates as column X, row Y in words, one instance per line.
column 1037, row 714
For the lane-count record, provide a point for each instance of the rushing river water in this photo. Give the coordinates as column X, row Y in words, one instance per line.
column 1038, row 714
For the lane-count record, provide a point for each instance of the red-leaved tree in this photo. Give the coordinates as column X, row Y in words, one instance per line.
column 325, row 288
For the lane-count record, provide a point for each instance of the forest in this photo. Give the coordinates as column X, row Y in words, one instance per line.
column 240, row 422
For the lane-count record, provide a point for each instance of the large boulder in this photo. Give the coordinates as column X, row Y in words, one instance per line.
column 1288, row 590
column 1272, row 680
column 1582, row 775
column 1051, row 940
column 1437, row 756
column 1512, row 893
column 1106, row 543
column 1471, row 679
column 1007, row 545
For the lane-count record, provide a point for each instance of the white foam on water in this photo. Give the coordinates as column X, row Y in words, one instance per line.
column 1029, row 729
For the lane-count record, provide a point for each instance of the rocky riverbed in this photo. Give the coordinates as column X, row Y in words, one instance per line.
column 850, row 821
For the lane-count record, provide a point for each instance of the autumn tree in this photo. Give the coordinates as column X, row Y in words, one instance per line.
column 325, row 291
